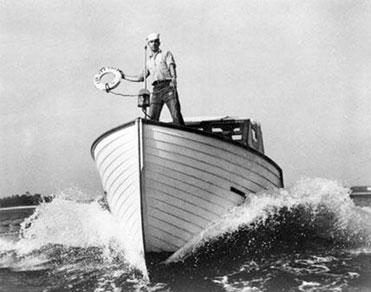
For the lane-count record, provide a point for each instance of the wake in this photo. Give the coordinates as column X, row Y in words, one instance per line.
column 312, row 208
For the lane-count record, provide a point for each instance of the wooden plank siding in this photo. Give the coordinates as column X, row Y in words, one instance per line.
column 117, row 160
column 188, row 179
column 165, row 184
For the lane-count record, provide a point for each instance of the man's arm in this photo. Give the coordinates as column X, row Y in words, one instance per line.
column 133, row 78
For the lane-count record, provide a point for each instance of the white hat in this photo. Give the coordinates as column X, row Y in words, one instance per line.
column 152, row 37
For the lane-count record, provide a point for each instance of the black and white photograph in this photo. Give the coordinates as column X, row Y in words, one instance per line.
column 185, row 146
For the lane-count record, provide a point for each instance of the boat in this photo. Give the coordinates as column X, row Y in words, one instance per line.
column 166, row 183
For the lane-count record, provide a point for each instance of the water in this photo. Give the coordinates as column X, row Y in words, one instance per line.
column 309, row 237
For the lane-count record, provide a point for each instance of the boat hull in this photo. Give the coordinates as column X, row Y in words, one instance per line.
column 165, row 184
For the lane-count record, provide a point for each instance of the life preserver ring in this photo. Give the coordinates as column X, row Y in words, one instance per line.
column 109, row 85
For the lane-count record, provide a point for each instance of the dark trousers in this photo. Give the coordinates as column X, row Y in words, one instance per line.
column 169, row 95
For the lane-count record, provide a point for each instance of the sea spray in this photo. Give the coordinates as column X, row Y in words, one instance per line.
column 74, row 220
column 308, row 237
column 320, row 205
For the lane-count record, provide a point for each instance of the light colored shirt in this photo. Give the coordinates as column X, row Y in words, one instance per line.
column 158, row 65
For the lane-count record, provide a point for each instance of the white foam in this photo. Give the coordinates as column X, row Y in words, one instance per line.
column 316, row 194
column 72, row 219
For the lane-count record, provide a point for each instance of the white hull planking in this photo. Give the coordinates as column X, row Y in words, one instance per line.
column 117, row 159
column 174, row 182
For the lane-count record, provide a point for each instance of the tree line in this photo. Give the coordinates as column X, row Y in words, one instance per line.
column 25, row 199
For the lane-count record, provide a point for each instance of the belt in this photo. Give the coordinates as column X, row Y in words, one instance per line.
column 160, row 82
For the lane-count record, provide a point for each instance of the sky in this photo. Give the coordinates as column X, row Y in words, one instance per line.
column 302, row 68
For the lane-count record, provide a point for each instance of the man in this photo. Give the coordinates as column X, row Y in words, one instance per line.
column 162, row 68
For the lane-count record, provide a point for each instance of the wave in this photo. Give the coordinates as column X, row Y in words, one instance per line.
column 72, row 221
column 76, row 239
column 312, row 208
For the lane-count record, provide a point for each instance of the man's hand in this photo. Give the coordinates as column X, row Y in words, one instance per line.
column 173, row 82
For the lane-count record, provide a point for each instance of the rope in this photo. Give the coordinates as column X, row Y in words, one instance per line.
column 134, row 95
column 124, row 95
column 145, row 114
column 131, row 95
column 158, row 90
